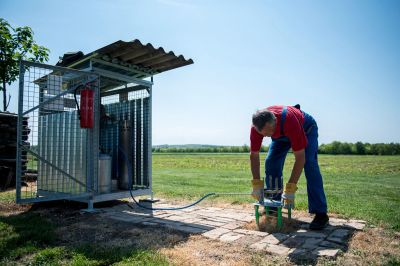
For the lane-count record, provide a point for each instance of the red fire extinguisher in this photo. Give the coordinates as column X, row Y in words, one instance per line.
column 87, row 108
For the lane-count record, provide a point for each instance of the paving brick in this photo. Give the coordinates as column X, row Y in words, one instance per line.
column 200, row 226
column 211, row 223
column 216, row 233
column 339, row 236
column 298, row 253
column 164, row 221
column 250, row 232
column 191, row 220
column 357, row 221
column 190, row 229
column 275, row 238
column 223, row 224
column 176, row 218
column 278, row 250
column 324, row 252
column 259, row 245
column 311, row 234
column 337, row 240
column 328, row 244
column 246, row 218
column 234, row 216
column 305, row 219
column 248, row 240
column 311, row 243
column 188, row 210
column 294, row 242
column 214, row 209
column 162, row 215
column 230, row 237
column 127, row 218
column 136, row 213
column 337, row 221
column 233, row 225
column 355, row 225
column 205, row 213
column 218, row 219
column 340, row 233
column 328, row 229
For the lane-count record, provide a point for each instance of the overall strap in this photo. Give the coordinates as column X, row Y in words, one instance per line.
column 283, row 118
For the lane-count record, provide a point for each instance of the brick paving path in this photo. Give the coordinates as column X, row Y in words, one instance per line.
column 225, row 224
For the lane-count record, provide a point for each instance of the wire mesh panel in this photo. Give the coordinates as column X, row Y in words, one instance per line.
column 50, row 139
column 125, row 134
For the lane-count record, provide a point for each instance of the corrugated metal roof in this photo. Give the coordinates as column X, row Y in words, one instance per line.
column 142, row 57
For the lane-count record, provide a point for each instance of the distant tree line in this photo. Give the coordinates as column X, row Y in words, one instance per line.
column 208, row 149
column 335, row 147
column 360, row 148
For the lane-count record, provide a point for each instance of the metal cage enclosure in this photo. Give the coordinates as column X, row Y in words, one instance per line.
column 69, row 160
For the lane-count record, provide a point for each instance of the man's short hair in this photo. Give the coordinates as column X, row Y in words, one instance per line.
column 262, row 117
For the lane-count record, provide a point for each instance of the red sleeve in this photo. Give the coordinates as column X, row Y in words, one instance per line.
column 255, row 140
column 294, row 131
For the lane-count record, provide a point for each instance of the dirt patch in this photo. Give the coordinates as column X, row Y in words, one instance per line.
column 198, row 250
column 269, row 224
column 9, row 207
column 110, row 233
column 373, row 246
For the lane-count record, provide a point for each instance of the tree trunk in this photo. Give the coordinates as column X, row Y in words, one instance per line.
column 4, row 95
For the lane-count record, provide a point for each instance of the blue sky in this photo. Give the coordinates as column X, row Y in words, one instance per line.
column 339, row 59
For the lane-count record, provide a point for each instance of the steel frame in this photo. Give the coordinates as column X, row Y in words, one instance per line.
column 89, row 195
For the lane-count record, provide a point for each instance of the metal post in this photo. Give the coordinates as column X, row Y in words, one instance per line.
column 257, row 214
column 19, row 131
column 90, row 208
column 279, row 218
column 149, row 176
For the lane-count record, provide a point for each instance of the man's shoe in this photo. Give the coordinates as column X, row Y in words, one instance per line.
column 321, row 220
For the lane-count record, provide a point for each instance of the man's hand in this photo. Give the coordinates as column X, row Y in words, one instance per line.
column 288, row 195
column 258, row 188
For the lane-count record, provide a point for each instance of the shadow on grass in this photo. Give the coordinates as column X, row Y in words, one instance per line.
column 58, row 233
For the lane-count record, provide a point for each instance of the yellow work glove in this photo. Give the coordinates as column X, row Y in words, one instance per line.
column 288, row 195
column 258, row 188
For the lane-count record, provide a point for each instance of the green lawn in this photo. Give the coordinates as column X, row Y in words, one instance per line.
column 29, row 239
column 364, row 187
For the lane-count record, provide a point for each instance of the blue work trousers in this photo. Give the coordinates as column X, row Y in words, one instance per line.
column 275, row 161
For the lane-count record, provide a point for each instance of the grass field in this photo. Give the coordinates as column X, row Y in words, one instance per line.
column 364, row 187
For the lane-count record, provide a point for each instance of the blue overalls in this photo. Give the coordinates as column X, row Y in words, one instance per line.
column 275, row 160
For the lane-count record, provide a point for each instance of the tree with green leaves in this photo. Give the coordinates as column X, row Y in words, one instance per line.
column 15, row 45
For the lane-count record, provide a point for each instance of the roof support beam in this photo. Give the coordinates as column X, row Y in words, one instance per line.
column 134, row 71
column 113, row 75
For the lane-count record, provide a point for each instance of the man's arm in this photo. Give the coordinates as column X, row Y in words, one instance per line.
column 300, row 160
column 255, row 164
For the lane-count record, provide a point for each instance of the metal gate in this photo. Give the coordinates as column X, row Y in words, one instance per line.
column 50, row 141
